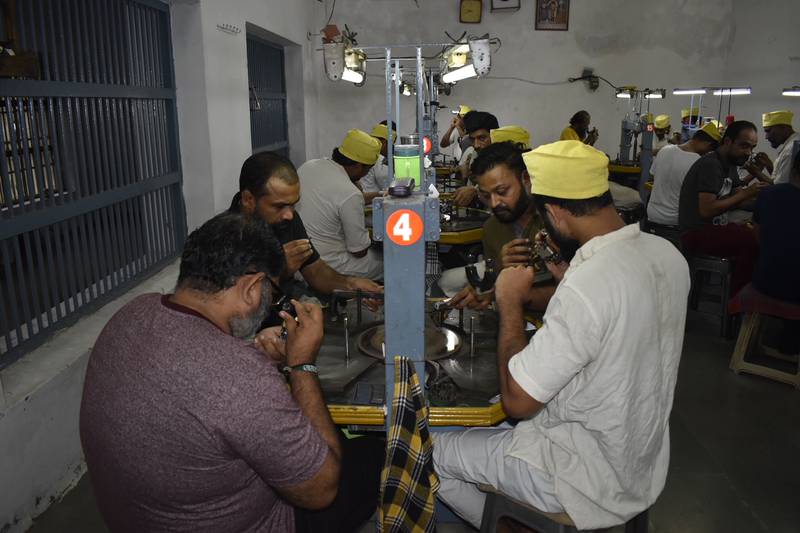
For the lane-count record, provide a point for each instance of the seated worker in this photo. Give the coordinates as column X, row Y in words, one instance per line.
column 187, row 424
column 778, row 262
column 270, row 188
column 478, row 125
column 711, row 189
column 578, row 129
column 662, row 129
column 333, row 207
column 593, row 387
column 669, row 168
column 456, row 136
column 778, row 233
column 376, row 182
column 688, row 117
column 780, row 135
column 503, row 186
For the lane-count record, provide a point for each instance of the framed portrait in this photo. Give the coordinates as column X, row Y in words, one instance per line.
column 552, row 15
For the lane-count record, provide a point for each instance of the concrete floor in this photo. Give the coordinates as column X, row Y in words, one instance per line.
column 735, row 464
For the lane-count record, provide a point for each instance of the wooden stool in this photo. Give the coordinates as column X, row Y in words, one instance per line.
column 499, row 505
column 755, row 306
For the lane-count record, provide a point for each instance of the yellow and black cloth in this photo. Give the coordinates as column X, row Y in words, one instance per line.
column 408, row 482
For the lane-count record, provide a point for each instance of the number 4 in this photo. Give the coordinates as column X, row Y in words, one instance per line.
column 402, row 228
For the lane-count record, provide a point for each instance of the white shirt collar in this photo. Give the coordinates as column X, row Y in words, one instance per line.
column 596, row 244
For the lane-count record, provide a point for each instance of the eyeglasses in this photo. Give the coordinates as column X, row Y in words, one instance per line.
column 278, row 295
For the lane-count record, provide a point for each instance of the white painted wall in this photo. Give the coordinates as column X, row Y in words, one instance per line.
column 40, row 450
column 648, row 43
column 213, row 100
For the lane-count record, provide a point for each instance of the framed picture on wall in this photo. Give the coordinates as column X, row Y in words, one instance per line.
column 552, row 15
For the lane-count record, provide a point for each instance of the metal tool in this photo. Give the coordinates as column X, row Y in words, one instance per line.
column 472, row 336
column 346, row 340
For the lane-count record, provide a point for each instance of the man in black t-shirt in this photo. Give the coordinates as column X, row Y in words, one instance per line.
column 710, row 190
column 269, row 188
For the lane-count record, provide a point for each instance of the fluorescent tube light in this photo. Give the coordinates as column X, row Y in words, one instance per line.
column 679, row 92
column 733, row 91
column 462, row 73
column 794, row 91
column 352, row 76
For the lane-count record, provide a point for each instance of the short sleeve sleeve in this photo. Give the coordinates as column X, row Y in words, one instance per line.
column 351, row 213
column 268, row 430
column 559, row 350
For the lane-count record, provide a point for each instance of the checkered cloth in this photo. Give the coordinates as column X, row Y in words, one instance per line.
column 408, row 481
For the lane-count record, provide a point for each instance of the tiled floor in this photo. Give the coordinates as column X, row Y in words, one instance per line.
column 735, row 454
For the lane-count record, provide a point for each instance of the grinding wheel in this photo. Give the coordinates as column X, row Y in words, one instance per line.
column 439, row 342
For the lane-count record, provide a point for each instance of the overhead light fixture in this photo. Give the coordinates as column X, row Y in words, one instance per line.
column 652, row 94
column 679, row 92
column 793, row 91
column 405, row 89
column 464, row 61
column 732, row 91
column 355, row 66
column 626, row 92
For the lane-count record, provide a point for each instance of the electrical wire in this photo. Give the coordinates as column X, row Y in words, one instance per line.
column 532, row 82
column 333, row 8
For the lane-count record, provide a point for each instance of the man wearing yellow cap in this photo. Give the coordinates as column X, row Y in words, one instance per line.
column 578, row 129
column 662, row 128
column 376, row 182
column 456, row 135
column 594, row 386
column 781, row 136
column 669, row 168
column 478, row 125
column 332, row 206
column 689, row 115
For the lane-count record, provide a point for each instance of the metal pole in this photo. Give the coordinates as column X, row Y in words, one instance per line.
column 420, row 114
column 389, row 145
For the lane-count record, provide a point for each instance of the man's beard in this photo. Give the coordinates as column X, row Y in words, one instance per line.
column 567, row 246
column 244, row 327
column 507, row 216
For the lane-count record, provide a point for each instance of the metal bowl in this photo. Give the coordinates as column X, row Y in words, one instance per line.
column 439, row 342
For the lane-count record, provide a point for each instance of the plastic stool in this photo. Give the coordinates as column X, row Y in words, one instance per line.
column 499, row 505
column 722, row 267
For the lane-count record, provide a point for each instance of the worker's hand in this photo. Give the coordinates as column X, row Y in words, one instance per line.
column 454, row 122
column 763, row 161
column 464, row 196
column 751, row 191
column 592, row 137
column 296, row 252
column 304, row 334
column 557, row 269
column 269, row 341
column 512, row 285
column 515, row 253
column 367, row 285
column 468, row 298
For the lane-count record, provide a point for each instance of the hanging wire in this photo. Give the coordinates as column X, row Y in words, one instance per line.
column 330, row 17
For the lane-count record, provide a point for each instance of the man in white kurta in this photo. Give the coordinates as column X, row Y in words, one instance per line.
column 594, row 386
column 332, row 207
column 778, row 131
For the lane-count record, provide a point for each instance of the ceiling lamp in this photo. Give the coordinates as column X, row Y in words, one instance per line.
column 679, row 92
column 405, row 89
column 652, row 94
column 626, row 92
column 462, row 61
column 793, row 91
column 343, row 62
column 732, row 91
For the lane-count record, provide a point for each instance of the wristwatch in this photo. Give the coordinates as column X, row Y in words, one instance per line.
column 301, row 368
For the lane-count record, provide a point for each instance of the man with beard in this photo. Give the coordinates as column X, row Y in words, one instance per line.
column 503, row 185
column 270, row 188
column 578, row 129
column 594, row 386
column 478, row 125
column 780, row 135
column 187, row 424
column 710, row 190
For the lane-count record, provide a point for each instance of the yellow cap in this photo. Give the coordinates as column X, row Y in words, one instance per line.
column 361, row 147
column 515, row 134
column 382, row 132
column 712, row 131
column 776, row 118
column 695, row 111
column 464, row 109
column 570, row 170
column 662, row 122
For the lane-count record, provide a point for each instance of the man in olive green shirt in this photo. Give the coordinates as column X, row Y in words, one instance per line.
column 504, row 186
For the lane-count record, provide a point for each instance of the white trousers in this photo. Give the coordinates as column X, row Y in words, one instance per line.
column 464, row 459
